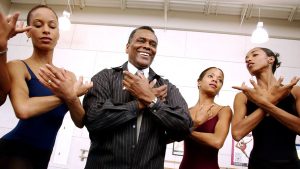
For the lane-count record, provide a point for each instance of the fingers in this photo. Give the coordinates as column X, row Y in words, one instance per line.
column 80, row 80
column 152, row 83
column 125, row 84
column 161, row 92
column 280, row 80
column 237, row 87
column 47, row 78
column 242, row 87
column 2, row 17
column 128, row 75
column 13, row 20
column 43, row 78
column 82, row 88
column 295, row 80
column 57, row 73
column 89, row 85
column 253, row 83
column 163, row 97
column 12, row 26
column 140, row 75
column 20, row 28
column 8, row 18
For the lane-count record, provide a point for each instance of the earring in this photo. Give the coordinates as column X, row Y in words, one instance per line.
column 28, row 38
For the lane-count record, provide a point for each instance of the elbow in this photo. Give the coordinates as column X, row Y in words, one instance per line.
column 2, row 100
column 79, row 125
column 218, row 144
column 236, row 135
column 3, row 96
column 22, row 115
column 79, row 122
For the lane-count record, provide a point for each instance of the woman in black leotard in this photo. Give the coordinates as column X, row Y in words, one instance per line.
column 271, row 111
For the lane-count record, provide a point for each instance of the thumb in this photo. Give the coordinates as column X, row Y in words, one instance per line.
column 152, row 83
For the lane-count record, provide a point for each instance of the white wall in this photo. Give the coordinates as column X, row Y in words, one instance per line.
column 4, row 6
column 181, row 56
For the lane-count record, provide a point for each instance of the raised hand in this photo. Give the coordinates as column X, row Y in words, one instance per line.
column 9, row 27
column 201, row 115
column 256, row 94
column 279, row 91
column 82, row 88
column 160, row 92
column 63, row 83
column 138, row 85
column 274, row 93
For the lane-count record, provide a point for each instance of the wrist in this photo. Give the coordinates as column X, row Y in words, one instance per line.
column 70, row 99
column 152, row 103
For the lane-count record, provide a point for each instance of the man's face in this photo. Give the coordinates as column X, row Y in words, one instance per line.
column 141, row 49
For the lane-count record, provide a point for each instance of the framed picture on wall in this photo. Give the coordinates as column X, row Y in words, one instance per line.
column 241, row 151
column 178, row 148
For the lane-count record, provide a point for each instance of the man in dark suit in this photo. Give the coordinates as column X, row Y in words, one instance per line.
column 132, row 116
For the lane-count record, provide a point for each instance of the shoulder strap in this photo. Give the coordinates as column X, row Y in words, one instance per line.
column 29, row 70
column 221, row 109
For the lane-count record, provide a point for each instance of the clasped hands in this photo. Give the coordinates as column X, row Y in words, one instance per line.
column 63, row 83
column 139, row 86
column 273, row 94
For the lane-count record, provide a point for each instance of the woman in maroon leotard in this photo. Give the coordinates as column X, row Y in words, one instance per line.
column 211, row 124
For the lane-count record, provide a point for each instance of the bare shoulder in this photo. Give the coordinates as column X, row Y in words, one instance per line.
column 17, row 67
column 296, row 92
column 14, row 63
column 224, row 110
column 240, row 97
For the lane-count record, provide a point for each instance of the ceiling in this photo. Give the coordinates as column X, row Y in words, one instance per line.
column 274, row 9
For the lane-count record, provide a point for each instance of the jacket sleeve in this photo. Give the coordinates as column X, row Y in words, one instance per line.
column 102, row 112
column 173, row 114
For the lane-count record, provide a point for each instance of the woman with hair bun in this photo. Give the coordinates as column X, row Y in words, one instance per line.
column 271, row 111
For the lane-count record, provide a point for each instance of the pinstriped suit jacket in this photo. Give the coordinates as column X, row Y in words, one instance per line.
column 111, row 117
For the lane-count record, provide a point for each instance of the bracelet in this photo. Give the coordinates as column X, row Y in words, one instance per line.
column 3, row 52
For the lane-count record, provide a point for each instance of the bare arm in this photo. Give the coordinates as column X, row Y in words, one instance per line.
column 266, row 100
column 5, row 82
column 26, row 107
column 217, row 138
column 8, row 29
column 242, row 124
column 289, row 120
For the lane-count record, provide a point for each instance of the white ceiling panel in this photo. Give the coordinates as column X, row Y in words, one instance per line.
column 276, row 9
